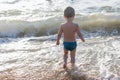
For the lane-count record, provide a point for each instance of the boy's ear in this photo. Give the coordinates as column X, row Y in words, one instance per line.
column 73, row 15
column 65, row 17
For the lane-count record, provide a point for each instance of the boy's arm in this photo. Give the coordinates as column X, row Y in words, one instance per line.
column 80, row 34
column 59, row 35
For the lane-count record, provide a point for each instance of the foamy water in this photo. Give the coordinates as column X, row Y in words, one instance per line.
column 28, row 35
column 23, row 58
column 35, row 18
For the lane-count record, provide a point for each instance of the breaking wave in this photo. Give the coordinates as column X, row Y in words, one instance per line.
column 90, row 23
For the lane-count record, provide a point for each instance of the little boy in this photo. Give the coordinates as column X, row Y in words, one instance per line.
column 69, row 30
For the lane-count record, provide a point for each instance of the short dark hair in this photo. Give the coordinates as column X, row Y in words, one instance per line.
column 69, row 12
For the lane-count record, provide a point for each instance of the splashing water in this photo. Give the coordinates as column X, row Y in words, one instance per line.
column 28, row 35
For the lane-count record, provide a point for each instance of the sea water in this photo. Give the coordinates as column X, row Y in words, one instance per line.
column 28, row 32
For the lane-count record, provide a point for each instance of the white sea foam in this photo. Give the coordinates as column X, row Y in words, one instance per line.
column 36, row 18
column 97, row 57
column 36, row 56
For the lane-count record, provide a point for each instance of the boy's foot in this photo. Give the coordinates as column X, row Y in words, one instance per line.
column 64, row 66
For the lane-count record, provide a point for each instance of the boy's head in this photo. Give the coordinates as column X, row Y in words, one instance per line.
column 69, row 12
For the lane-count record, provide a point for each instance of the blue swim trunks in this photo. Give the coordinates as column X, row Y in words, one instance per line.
column 70, row 45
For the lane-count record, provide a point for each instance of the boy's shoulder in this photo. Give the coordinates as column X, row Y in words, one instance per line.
column 75, row 24
column 62, row 24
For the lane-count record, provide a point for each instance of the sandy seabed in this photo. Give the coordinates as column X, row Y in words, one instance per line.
column 44, row 73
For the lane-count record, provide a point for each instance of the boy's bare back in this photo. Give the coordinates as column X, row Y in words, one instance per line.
column 69, row 30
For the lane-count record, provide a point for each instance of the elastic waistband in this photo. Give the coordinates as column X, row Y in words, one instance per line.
column 69, row 42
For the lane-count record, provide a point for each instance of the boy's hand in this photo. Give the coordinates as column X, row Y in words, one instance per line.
column 57, row 43
column 83, row 40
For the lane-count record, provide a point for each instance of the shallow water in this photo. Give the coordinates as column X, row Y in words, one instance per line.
column 33, row 58
column 28, row 35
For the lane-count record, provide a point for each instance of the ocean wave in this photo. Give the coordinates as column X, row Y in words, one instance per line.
column 89, row 23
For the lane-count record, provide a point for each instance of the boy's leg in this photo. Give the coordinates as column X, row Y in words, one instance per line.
column 65, row 58
column 72, row 55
